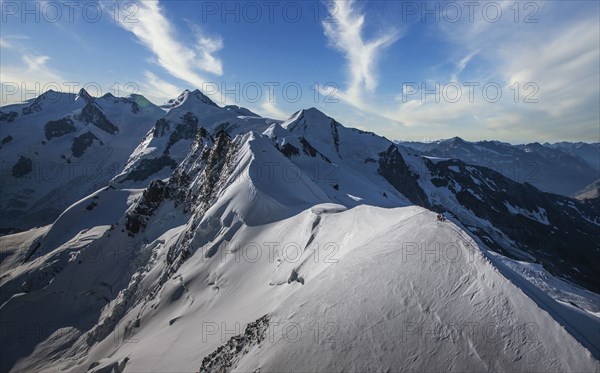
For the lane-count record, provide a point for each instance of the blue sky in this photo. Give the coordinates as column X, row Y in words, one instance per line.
column 416, row 70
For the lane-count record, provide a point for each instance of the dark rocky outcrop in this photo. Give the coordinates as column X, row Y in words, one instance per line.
column 336, row 136
column 23, row 166
column 8, row 117
column 161, row 127
column 186, row 130
column 91, row 114
column 149, row 167
column 6, row 140
column 153, row 196
column 393, row 168
column 289, row 150
column 81, row 143
column 310, row 150
column 57, row 128
column 224, row 358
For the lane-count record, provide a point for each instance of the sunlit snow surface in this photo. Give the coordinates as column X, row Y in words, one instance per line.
column 351, row 275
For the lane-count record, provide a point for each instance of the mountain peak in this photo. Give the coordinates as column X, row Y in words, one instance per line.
column 197, row 94
column 457, row 140
column 188, row 96
column 307, row 117
column 314, row 112
column 53, row 96
column 85, row 96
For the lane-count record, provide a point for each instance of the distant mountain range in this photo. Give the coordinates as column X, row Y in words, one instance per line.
column 562, row 168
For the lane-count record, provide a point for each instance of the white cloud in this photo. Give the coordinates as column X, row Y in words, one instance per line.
column 8, row 41
column 346, row 35
column 208, row 62
column 564, row 63
column 559, row 55
column 462, row 64
column 30, row 79
column 5, row 43
column 184, row 62
column 157, row 89
column 270, row 109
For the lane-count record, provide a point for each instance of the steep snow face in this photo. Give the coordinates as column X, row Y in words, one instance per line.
column 189, row 98
column 256, row 193
column 409, row 293
column 61, row 147
column 348, row 164
column 335, row 140
column 167, row 144
column 413, row 294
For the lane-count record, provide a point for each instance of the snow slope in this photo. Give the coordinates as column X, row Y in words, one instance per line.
column 298, row 246
column 409, row 294
column 61, row 147
column 169, row 141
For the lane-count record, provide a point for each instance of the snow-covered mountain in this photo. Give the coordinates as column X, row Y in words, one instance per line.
column 60, row 147
column 562, row 168
column 231, row 242
column 163, row 148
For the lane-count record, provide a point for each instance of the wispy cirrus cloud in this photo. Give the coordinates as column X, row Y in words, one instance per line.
column 345, row 33
column 547, row 72
column 12, row 41
column 271, row 110
column 157, row 89
column 186, row 62
column 30, row 78
column 553, row 61
column 4, row 43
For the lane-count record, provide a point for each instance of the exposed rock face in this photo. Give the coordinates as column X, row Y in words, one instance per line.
column 224, row 358
column 393, row 168
column 185, row 130
column 309, row 150
column 82, row 142
column 6, row 140
column 8, row 117
column 23, row 166
column 91, row 114
column 289, row 150
column 148, row 167
column 161, row 127
column 34, row 107
column 206, row 161
column 152, row 197
column 336, row 136
column 214, row 166
column 57, row 128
